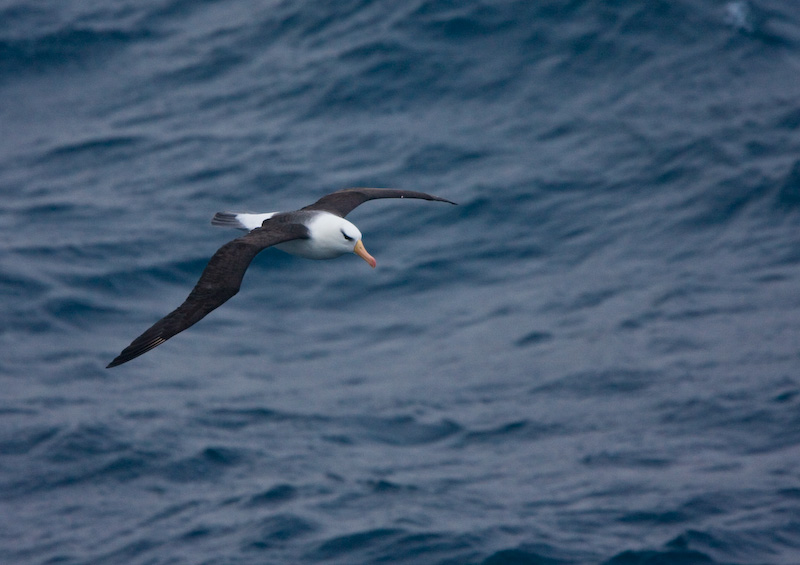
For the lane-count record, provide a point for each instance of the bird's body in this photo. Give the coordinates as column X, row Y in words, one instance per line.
column 327, row 233
column 318, row 231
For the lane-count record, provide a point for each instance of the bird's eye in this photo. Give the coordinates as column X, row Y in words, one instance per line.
column 347, row 237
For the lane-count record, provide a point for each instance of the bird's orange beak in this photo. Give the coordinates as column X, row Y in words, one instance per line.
column 362, row 252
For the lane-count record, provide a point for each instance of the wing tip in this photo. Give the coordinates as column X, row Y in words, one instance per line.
column 134, row 350
column 433, row 198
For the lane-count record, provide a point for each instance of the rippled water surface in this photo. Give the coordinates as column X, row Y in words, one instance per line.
column 592, row 359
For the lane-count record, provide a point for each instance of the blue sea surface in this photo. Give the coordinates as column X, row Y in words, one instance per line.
column 593, row 359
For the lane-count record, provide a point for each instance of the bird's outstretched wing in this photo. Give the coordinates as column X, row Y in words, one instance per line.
column 220, row 280
column 342, row 202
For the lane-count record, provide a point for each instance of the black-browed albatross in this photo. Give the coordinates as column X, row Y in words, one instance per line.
column 318, row 231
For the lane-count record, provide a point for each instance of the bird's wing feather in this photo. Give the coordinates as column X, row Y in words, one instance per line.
column 220, row 280
column 342, row 202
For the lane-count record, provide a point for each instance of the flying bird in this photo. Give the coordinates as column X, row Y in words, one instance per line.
column 318, row 231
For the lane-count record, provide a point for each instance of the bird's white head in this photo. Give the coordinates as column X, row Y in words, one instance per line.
column 339, row 236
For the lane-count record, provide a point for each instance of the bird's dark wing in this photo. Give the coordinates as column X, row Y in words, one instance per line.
column 220, row 280
column 342, row 202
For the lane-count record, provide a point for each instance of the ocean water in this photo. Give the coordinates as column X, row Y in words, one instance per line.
column 594, row 358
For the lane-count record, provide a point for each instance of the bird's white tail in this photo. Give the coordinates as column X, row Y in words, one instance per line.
column 242, row 221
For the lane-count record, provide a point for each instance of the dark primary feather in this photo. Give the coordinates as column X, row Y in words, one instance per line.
column 220, row 280
column 342, row 202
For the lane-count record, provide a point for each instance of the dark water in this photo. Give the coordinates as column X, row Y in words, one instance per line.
column 593, row 359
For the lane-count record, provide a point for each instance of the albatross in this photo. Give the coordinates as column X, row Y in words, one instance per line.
column 317, row 231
